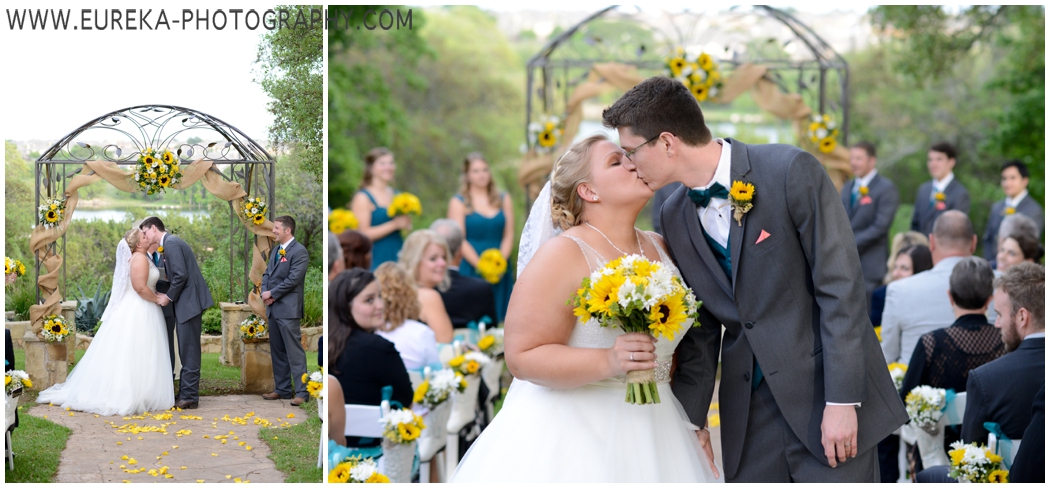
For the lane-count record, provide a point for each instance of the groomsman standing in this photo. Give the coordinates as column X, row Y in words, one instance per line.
column 871, row 203
column 1014, row 180
column 940, row 194
column 282, row 291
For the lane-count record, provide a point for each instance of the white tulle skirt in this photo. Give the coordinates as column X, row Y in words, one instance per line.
column 586, row 434
column 126, row 369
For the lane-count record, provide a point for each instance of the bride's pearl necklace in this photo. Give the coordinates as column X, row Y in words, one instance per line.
column 621, row 251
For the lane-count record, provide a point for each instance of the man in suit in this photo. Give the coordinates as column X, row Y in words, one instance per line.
column 282, row 291
column 467, row 299
column 940, row 194
column 1014, row 180
column 805, row 395
column 1030, row 463
column 919, row 303
column 871, row 203
column 190, row 296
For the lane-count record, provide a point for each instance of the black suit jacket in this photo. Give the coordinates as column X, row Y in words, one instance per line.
column 9, row 356
column 366, row 365
column 468, row 300
column 1030, row 463
column 924, row 214
column 870, row 218
column 1003, row 391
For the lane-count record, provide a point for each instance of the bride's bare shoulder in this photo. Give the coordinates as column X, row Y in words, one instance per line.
column 556, row 257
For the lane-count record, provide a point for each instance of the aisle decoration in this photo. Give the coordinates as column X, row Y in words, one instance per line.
column 491, row 265
column 973, row 463
column 52, row 212
column 637, row 295
column 55, row 328
column 492, row 343
column 356, row 469
column 469, row 363
column 156, row 171
column 254, row 210
column 253, row 328
column 925, row 406
column 341, row 220
column 404, row 204
column 402, row 426
column 15, row 379
column 897, row 371
column 437, row 389
column 823, row 131
column 315, row 383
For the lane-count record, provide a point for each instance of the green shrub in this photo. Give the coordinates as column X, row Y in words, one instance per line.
column 211, row 322
column 21, row 295
column 313, row 298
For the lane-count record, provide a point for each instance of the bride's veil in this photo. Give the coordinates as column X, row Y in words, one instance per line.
column 539, row 228
column 121, row 278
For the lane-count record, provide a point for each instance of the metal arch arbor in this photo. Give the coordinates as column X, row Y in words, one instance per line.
column 236, row 156
column 805, row 64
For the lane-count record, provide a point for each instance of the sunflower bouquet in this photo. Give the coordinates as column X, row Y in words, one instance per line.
column 404, row 204
column 55, row 328
column 254, row 210
column 469, row 363
column 14, row 380
column 897, row 371
column 156, row 171
column 438, row 388
column 253, row 328
column 637, row 295
column 491, row 265
column 315, row 383
column 341, row 220
column 13, row 268
column 822, row 131
column 52, row 212
column 700, row 75
column 356, row 469
column 402, row 426
column 925, row 406
column 546, row 133
column 972, row 463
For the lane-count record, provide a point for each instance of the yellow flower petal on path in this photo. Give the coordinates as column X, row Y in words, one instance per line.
column 182, row 467
column 235, row 437
column 140, row 438
column 248, row 448
column 120, row 443
column 165, row 453
column 224, row 441
column 70, row 414
column 241, row 443
column 200, row 481
column 205, row 437
column 152, row 472
column 45, row 416
column 213, row 454
column 126, row 481
column 132, row 461
column 169, row 476
column 229, row 476
column 122, row 466
column 291, row 415
column 67, row 409
column 174, row 447
column 124, row 457
column 96, row 416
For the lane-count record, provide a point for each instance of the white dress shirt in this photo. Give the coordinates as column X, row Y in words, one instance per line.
column 715, row 216
column 941, row 184
column 864, row 181
column 1015, row 201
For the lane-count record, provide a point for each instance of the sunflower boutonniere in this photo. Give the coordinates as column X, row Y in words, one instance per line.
column 160, row 249
column 940, row 196
column 1009, row 211
column 281, row 252
column 741, row 195
column 863, row 191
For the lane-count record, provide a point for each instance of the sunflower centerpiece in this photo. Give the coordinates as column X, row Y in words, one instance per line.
column 823, row 131
column 156, row 171
column 52, row 212
column 546, row 134
column 254, row 210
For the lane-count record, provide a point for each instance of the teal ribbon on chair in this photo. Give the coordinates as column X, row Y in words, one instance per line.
column 1003, row 444
column 338, row 454
column 949, row 407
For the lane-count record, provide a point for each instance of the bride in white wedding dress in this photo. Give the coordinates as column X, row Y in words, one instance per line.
column 126, row 369
column 565, row 418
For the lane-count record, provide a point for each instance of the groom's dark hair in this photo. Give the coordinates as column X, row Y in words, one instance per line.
column 287, row 221
column 152, row 222
column 657, row 105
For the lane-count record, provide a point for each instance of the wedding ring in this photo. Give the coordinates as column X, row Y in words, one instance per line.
column 849, row 445
column 632, row 356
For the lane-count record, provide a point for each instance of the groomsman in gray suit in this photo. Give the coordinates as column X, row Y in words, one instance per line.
column 189, row 296
column 282, row 291
column 1014, row 180
column 871, row 203
column 942, row 193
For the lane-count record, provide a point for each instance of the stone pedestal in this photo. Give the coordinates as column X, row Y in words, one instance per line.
column 18, row 330
column 232, row 316
column 46, row 363
column 256, row 366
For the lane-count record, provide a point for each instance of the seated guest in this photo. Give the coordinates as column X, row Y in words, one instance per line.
column 320, row 351
column 9, row 364
column 919, row 304
column 943, row 358
column 425, row 255
column 413, row 339
column 900, row 241
column 1030, row 462
column 336, row 264
column 467, row 298
column 364, row 362
column 336, row 416
column 1014, row 181
column 909, row 261
column 1017, row 248
column 357, row 250
column 1004, row 390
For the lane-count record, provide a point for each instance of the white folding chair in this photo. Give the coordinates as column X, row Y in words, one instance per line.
column 364, row 420
column 463, row 410
column 434, row 441
column 1007, row 454
column 491, row 374
column 10, row 409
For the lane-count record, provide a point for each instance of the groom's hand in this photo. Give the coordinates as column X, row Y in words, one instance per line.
column 838, row 433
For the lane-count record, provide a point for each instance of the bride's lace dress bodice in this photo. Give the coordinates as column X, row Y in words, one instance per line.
column 151, row 280
column 590, row 334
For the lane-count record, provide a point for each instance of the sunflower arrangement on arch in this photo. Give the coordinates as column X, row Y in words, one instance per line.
column 55, row 328
column 253, row 328
column 52, row 212
column 156, row 171
column 823, row 131
column 700, row 75
column 254, row 210
column 546, row 133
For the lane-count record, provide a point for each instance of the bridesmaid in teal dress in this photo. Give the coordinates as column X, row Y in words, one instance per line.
column 370, row 206
column 487, row 217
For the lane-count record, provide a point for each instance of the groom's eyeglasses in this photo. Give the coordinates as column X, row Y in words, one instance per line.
column 632, row 151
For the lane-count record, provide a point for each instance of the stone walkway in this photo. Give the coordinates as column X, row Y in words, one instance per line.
column 218, row 442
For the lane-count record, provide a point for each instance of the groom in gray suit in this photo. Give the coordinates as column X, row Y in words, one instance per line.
column 282, row 291
column 805, row 394
column 190, row 295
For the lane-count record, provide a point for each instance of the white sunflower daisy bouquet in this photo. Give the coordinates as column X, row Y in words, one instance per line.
column 637, row 295
column 973, row 463
column 439, row 387
column 925, row 406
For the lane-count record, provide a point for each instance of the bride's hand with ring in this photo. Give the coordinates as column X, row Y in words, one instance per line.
column 632, row 352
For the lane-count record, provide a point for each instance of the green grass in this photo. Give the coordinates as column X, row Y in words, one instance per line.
column 294, row 451
column 36, row 444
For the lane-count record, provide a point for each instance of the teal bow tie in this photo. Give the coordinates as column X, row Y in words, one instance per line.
column 703, row 197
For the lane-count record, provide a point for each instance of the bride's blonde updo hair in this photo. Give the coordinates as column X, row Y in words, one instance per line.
column 571, row 169
column 133, row 237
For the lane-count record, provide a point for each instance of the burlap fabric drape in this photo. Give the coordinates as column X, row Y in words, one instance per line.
column 605, row 77
column 94, row 171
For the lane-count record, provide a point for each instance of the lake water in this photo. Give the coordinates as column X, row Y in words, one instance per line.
column 117, row 215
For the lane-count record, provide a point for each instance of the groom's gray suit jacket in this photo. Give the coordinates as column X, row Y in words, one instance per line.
column 187, row 289
column 796, row 304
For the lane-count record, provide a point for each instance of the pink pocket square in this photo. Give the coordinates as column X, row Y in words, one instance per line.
column 866, row 200
column 763, row 236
